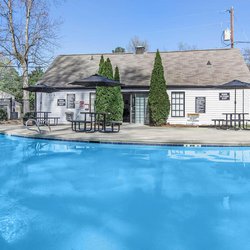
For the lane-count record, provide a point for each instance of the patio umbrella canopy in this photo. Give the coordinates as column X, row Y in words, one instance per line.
column 235, row 84
column 96, row 81
column 41, row 88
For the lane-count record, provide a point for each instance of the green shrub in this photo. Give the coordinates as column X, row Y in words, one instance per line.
column 3, row 115
column 27, row 116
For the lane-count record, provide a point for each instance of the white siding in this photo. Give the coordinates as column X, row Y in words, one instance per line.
column 214, row 106
column 48, row 102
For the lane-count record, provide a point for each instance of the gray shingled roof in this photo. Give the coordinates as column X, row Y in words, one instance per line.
column 188, row 68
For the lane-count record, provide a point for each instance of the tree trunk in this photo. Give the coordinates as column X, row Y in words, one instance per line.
column 26, row 103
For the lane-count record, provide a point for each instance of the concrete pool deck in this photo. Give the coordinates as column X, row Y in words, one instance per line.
column 140, row 134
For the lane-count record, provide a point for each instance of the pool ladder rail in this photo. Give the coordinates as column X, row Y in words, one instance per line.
column 37, row 124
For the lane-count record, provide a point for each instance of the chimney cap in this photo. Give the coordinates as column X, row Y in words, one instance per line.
column 140, row 49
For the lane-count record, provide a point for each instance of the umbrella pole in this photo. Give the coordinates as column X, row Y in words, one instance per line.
column 41, row 101
column 243, row 100
column 243, row 108
column 35, row 104
column 235, row 108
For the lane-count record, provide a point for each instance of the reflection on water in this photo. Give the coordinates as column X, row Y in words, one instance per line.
column 212, row 154
column 61, row 195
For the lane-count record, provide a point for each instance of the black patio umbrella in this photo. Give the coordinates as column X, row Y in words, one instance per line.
column 41, row 88
column 235, row 84
column 96, row 81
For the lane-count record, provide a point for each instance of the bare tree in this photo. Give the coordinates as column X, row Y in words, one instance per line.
column 184, row 46
column 246, row 55
column 27, row 36
column 135, row 42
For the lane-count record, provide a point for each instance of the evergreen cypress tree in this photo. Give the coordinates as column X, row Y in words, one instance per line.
column 108, row 69
column 158, row 99
column 109, row 99
column 101, row 101
column 101, row 66
column 118, row 99
column 117, row 104
column 117, row 74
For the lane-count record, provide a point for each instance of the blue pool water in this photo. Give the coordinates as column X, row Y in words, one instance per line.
column 78, row 196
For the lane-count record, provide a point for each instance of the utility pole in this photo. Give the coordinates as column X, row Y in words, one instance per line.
column 231, row 11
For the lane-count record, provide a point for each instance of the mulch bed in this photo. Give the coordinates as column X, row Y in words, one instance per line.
column 11, row 122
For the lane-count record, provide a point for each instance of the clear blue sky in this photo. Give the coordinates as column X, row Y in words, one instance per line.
column 98, row 26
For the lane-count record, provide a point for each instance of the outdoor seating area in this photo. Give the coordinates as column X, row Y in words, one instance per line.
column 95, row 122
column 232, row 121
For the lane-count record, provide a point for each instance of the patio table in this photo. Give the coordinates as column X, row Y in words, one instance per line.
column 96, row 121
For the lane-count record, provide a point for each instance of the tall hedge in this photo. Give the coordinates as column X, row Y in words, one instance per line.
column 109, row 99
column 158, row 99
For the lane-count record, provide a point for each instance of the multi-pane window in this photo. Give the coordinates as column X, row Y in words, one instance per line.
column 178, row 104
column 140, row 108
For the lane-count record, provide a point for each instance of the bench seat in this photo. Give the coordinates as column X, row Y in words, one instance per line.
column 115, row 126
column 220, row 123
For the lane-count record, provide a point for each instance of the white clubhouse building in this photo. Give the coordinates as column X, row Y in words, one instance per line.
column 193, row 84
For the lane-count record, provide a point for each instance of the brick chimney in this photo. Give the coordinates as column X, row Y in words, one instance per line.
column 139, row 50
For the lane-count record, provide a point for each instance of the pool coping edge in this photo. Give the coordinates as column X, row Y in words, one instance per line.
column 144, row 143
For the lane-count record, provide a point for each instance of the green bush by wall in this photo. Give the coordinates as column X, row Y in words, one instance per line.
column 3, row 115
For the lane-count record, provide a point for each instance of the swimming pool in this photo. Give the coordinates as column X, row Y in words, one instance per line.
column 83, row 196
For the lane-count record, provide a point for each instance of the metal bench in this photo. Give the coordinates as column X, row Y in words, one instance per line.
column 113, row 126
column 220, row 123
column 76, row 126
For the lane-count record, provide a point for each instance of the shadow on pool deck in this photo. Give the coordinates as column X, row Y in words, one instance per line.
column 141, row 134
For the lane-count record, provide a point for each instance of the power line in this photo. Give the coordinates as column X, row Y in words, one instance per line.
column 243, row 31
column 242, row 42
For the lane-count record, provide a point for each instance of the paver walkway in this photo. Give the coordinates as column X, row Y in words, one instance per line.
column 141, row 134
